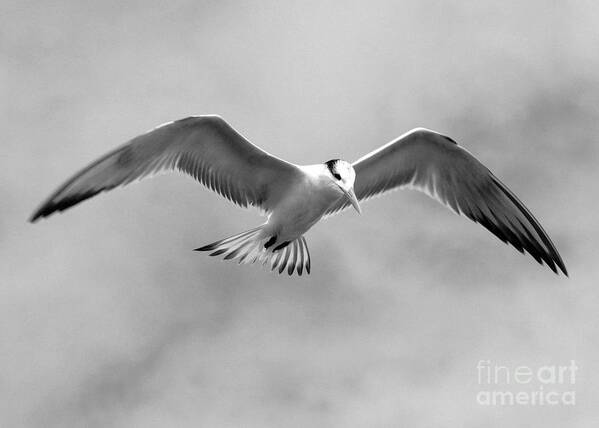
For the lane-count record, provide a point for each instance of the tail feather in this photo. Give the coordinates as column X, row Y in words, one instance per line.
column 293, row 262
column 306, row 254
column 300, row 265
column 216, row 244
column 275, row 260
column 285, row 258
column 249, row 247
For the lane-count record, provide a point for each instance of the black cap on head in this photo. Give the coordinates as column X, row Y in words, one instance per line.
column 331, row 165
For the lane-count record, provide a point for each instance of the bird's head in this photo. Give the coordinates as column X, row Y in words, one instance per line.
column 343, row 175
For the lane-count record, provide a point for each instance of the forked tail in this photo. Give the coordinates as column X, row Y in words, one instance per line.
column 253, row 246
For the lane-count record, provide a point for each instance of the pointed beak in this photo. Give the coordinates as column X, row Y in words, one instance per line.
column 351, row 197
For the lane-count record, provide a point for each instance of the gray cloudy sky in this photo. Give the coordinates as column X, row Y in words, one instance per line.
column 109, row 320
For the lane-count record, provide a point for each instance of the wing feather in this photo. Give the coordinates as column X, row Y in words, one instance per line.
column 204, row 147
column 429, row 162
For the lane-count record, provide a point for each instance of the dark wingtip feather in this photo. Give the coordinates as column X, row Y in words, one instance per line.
column 45, row 210
column 50, row 206
column 207, row 247
column 34, row 217
column 551, row 257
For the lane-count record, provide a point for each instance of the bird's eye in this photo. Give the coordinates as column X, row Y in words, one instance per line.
column 337, row 176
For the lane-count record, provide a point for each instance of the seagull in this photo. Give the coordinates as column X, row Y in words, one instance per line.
column 295, row 197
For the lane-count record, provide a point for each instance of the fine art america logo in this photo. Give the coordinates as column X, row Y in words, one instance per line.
column 502, row 385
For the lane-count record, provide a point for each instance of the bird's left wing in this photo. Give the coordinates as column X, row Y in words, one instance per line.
column 205, row 147
column 434, row 164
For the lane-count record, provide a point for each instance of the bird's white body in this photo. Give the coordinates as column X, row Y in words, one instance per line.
column 304, row 204
column 296, row 197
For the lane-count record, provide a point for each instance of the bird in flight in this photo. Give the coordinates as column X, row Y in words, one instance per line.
column 296, row 197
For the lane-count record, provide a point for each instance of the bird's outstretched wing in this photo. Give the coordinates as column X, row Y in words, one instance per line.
column 205, row 147
column 434, row 164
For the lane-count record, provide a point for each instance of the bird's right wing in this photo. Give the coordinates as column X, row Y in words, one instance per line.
column 205, row 147
column 429, row 162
